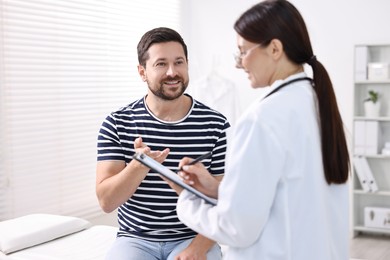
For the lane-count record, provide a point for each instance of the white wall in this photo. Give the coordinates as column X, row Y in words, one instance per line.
column 109, row 219
column 211, row 39
column 334, row 26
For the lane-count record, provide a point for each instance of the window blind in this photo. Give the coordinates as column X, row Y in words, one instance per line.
column 64, row 66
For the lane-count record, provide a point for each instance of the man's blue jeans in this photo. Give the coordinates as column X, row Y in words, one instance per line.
column 127, row 248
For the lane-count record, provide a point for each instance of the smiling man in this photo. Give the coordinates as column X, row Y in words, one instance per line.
column 167, row 125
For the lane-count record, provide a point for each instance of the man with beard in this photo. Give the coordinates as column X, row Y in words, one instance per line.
column 167, row 125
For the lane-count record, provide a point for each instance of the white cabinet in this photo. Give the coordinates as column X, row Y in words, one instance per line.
column 370, row 134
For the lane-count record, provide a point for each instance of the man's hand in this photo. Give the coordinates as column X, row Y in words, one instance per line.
column 116, row 181
column 191, row 254
column 140, row 147
column 197, row 249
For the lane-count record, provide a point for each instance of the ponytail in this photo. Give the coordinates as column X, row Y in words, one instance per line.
column 335, row 156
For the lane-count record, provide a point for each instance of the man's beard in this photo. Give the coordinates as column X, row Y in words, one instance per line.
column 161, row 93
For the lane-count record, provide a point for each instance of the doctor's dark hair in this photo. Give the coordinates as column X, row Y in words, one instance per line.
column 279, row 19
column 157, row 35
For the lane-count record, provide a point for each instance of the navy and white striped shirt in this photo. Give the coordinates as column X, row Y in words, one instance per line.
column 150, row 213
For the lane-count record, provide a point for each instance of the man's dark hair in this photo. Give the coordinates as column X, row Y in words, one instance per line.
column 157, row 35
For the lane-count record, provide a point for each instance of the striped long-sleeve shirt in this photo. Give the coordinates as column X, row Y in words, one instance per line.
column 151, row 212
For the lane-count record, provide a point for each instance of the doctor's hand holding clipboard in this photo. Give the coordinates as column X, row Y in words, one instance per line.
column 197, row 176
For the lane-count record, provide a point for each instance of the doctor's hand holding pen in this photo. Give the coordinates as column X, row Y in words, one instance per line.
column 196, row 175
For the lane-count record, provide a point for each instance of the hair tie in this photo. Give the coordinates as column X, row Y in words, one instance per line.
column 312, row 60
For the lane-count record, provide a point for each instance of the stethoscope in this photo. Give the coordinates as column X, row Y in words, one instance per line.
column 288, row 83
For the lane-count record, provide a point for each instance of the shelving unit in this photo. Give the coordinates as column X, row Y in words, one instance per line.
column 378, row 163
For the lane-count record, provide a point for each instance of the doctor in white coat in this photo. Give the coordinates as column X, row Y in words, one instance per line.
column 284, row 194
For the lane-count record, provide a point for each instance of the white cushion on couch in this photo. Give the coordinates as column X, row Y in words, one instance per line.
column 30, row 230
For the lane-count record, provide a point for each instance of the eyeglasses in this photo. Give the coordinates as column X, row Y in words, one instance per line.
column 241, row 54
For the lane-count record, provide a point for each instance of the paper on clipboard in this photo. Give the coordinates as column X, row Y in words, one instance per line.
column 161, row 169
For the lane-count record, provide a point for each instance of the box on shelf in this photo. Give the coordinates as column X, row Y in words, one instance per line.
column 386, row 149
column 377, row 217
column 364, row 174
column 378, row 71
column 367, row 136
column 361, row 60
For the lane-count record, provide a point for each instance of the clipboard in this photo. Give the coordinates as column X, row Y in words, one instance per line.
column 164, row 171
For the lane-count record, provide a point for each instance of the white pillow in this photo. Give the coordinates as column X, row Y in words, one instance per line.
column 30, row 230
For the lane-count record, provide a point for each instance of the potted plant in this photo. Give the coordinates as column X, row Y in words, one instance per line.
column 372, row 104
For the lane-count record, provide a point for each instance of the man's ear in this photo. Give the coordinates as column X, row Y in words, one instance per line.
column 142, row 72
column 276, row 49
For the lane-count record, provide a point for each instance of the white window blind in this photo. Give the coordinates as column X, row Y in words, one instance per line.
column 64, row 66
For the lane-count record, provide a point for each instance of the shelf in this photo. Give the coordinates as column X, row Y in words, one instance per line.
column 372, row 230
column 374, row 156
column 370, row 134
column 381, row 118
column 365, row 82
column 377, row 193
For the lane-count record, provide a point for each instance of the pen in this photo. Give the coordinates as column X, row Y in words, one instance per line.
column 198, row 159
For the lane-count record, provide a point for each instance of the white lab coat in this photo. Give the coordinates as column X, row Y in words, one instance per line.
column 274, row 202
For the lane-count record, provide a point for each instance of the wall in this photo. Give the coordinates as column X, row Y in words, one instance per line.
column 109, row 219
column 208, row 32
column 334, row 26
